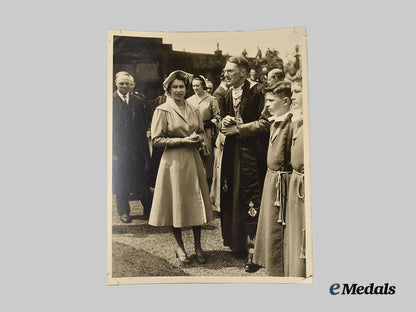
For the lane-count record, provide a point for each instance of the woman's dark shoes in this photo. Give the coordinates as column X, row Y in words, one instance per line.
column 125, row 218
column 181, row 255
column 199, row 256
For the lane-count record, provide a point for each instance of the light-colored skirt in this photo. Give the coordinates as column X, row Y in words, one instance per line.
column 181, row 196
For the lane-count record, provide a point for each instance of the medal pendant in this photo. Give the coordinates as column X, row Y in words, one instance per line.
column 225, row 186
column 251, row 211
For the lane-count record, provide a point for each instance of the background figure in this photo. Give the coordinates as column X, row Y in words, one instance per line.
column 240, row 179
column 181, row 196
column 253, row 75
column 210, row 86
column 275, row 75
column 155, row 151
column 215, row 193
column 293, row 69
column 222, row 89
column 264, row 72
column 295, row 235
column 209, row 112
column 130, row 148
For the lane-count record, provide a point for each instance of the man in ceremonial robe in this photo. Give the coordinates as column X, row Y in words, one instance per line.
column 242, row 168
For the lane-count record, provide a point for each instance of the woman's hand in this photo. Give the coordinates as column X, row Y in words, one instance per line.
column 193, row 139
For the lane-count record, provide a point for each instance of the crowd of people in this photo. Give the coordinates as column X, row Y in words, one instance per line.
column 235, row 153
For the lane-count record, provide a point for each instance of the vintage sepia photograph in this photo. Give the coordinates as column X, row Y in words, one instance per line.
column 208, row 157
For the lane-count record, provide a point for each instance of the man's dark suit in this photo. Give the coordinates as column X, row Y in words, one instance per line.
column 131, row 153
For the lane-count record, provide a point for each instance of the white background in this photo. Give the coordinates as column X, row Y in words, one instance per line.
column 53, row 128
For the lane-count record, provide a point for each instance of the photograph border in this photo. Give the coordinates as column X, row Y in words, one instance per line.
column 211, row 279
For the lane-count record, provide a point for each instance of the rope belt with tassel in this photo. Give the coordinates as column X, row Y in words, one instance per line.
column 278, row 201
column 303, row 246
column 302, row 176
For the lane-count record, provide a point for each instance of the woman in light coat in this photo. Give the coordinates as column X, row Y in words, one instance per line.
column 181, row 196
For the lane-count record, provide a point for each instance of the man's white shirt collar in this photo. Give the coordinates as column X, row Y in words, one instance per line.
column 237, row 93
column 122, row 96
column 252, row 83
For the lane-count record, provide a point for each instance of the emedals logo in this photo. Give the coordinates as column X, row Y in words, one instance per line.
column 355, row 289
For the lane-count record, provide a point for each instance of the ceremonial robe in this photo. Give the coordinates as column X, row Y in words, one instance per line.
column 268, row 247
column 295, row 235
column 241, row 169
